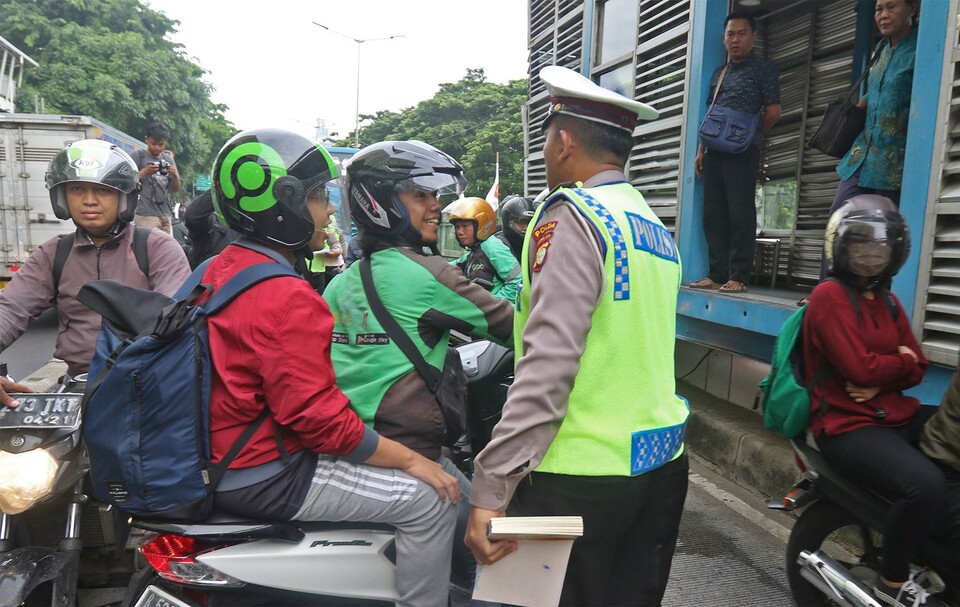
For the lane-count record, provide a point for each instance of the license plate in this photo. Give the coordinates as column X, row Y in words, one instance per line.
column 155, row 597
column 53, row 410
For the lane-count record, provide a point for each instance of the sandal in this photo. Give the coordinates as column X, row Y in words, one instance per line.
column 704, row 283
column 733, row 286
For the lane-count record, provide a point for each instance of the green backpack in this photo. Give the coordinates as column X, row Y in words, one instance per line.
column 784, row 397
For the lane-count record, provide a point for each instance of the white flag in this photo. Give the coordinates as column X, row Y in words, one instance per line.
column 493, row 196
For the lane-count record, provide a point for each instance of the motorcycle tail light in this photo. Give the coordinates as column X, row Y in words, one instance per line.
column 174, row 557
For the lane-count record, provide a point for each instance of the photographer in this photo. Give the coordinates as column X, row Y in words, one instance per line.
column 158, row 177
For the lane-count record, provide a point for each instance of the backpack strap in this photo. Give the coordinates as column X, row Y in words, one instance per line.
column 851, row 295
column 140, row 238
column 819, row 377
column 193, row 281
column 215, row 472
column 243, row 280
column 855, row 301
column 64, row 247
column 891, row 304
column 429, row 374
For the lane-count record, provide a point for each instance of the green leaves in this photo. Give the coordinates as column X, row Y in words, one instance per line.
column 111, row 59
column 471, row 120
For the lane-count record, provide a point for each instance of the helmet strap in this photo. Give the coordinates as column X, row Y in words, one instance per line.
column 114, row 230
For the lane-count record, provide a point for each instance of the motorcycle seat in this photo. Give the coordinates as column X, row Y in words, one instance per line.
column 868, row 506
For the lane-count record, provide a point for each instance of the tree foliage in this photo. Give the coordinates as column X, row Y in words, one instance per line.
column 471, row 120
column 111, row 59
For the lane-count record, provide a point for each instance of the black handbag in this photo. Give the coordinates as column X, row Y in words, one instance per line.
column 449, row 387
column 842, row 120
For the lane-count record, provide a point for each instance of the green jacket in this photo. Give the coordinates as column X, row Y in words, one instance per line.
column 427, row 297
column 493, row 262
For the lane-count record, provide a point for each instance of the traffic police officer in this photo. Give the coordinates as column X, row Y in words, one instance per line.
column 592, row 426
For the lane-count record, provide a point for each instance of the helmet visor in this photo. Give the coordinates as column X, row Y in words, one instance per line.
column 520, row 224
column 439, row 183
column 869, row 259
column 870, row 243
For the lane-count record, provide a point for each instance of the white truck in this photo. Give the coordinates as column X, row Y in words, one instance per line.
column 27, row 144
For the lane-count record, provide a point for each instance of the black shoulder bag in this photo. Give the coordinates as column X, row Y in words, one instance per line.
column 448, row 387
column 843, row 121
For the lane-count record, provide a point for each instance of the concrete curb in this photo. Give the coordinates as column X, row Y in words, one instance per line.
column 734, row 439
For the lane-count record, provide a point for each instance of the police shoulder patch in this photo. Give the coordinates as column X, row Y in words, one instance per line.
column 544, row 232
column 541, row 255
column 541, row 238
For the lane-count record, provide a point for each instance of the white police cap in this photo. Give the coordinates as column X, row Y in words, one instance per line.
column 575, row 95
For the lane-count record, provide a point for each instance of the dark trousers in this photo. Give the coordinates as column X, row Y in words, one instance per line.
column 952, row 517
column 630, row 527
column 730, row 213
column 847, row 189
column 887, row 461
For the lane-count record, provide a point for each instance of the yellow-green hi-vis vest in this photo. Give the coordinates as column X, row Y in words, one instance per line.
column 623, row 417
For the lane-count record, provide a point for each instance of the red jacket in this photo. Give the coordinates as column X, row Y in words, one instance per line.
column 270, row 347
column 863, row 353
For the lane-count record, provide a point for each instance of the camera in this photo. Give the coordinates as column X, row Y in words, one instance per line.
column 164, row 165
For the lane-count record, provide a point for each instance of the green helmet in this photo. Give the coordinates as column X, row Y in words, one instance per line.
column 94, row 161
column 261, row 179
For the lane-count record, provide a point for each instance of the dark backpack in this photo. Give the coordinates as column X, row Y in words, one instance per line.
column 65, row 247
column 784, row 395
column 207, row 235
column 146, row 409
column 209, row 241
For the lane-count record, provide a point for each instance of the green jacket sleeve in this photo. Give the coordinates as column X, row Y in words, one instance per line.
column 505, row 264
column 466, row 307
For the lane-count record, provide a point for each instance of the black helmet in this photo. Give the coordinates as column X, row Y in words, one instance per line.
column 375, row 174
column 261, row 179
column 94, row 161
column 867, row 238
column 516, row 211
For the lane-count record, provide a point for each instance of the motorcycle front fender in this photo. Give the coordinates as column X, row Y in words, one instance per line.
column 23, row 569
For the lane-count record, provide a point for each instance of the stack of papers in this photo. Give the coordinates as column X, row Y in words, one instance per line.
column 535, row 527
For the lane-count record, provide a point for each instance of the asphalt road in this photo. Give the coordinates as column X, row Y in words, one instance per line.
column 731, row 549
column 34, row 348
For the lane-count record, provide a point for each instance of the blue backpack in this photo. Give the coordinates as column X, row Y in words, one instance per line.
column 146, row 409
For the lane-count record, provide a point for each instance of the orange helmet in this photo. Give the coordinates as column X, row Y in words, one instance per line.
column 476, row 210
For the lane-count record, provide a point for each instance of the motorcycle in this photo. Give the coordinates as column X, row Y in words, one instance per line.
column 227, row 560
column 55, row 543
column 833, row 552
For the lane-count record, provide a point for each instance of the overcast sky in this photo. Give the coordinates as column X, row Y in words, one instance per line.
column 273, row 67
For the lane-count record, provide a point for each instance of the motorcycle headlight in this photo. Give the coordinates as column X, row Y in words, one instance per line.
column 25, row 479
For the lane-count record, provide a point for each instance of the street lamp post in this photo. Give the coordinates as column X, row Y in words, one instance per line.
column 359, row 41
